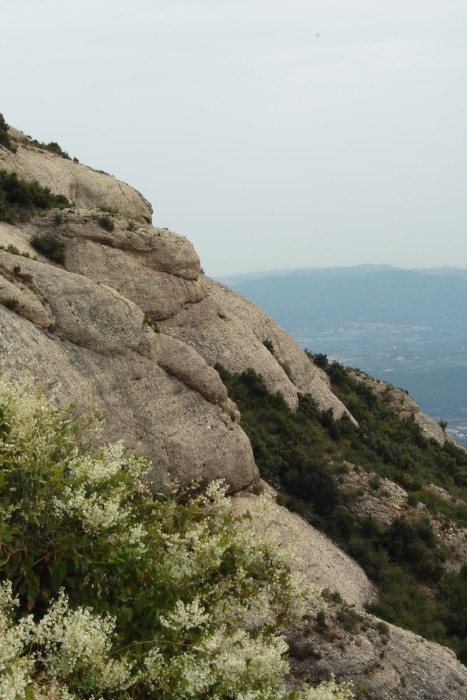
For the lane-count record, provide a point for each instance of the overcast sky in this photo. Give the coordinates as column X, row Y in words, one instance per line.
column 272, row 133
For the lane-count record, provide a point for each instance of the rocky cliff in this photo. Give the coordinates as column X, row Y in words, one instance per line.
column 124, row 321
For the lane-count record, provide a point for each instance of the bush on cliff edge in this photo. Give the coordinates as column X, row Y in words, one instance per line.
column 109, row 591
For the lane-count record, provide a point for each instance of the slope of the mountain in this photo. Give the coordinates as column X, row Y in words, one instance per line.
column 115, row 315
column 95, row 315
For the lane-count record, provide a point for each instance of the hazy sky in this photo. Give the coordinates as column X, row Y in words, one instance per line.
column 272, row 133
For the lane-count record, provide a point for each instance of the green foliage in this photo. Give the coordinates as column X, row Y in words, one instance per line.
column 10, row 303
column 374, row 482
column 4, row 138
column 348, row 618
column 109, row 591
column 20, row 199
column 290, row 449
column 452, row 598
column 13, row 250
column 393, row 446
column 106, row 223
column 320, row 359
column 148, row 320
column 49, row 246
column 321, row 620
column 53, row 147
column 295, row 451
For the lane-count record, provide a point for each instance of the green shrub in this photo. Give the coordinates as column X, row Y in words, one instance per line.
column 53, row 147
column 11, row 303
column 348, row 618
column 13, row 250
column 23, row 276
column 321, row 620
column 321, row 360
column 106, row 223
column 149, row 321
column 20, row 199
column 4, row 138
column 49, row 246
column 109, row 591
column 301, row 453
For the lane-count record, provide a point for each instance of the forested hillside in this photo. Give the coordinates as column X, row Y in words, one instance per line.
column 332, row 472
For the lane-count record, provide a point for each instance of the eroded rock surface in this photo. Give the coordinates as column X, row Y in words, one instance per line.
column 228, row 329
column 384, row 662
column 321, row 562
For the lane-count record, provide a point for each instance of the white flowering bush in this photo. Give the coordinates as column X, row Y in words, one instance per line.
column 107, row 591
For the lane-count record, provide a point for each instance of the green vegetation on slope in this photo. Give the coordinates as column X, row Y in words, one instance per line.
column 108, row 591
column 304, row 455
column 4, row 137
column 20, row 199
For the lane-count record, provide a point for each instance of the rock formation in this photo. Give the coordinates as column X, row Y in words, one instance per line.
column 127, row 324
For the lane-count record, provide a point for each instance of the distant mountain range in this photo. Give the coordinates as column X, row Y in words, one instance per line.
column 408, row 327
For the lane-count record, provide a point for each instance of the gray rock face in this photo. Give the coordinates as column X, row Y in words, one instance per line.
column 83, row 312
column 316, row 557
column 384, row 662
column 186, row 436
column 228, row 329
column 85, row 322
column 159, row 294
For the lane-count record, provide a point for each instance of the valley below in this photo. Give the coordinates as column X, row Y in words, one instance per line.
column 405, row 327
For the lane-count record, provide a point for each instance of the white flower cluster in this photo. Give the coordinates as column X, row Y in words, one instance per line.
column 33, row 419
column 232, row 650
column 91, row 497
column 223, row 663
column 96, row 511
column 64, row 640
column 328, row 690
column 186, row 616
column 15, row 668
